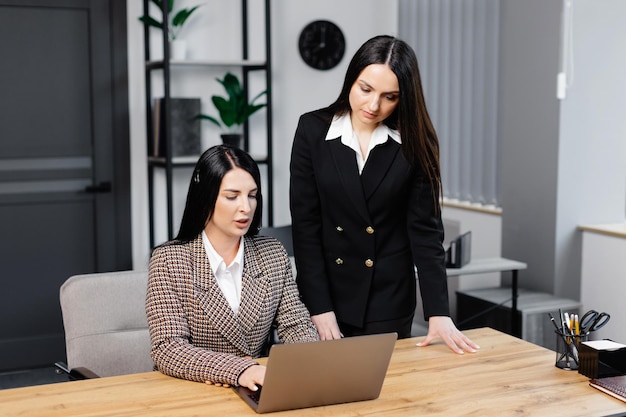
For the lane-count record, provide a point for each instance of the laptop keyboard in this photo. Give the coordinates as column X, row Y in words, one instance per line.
column 255, row 395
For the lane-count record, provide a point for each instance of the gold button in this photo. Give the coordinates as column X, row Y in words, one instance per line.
column 339, row 228
column 369, row 229
column 339, row 261
column 369, row 263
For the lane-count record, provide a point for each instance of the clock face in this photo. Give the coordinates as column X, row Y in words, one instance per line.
column 322, row 44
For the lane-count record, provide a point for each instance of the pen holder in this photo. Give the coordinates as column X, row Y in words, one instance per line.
column 567, row 350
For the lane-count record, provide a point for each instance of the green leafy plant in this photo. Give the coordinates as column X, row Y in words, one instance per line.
column 178, row 19
column 235, row 109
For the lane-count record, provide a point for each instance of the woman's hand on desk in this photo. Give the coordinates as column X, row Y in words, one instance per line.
column 251, row 377
column 217, row 384
column 327, row 327
column 443, row 327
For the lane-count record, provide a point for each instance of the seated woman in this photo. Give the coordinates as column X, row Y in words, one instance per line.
column 215, row 290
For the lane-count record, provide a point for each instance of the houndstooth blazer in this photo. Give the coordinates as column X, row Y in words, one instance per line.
column 195, row 334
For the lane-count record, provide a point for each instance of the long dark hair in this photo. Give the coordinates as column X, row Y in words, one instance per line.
column 204, row 188
column 420, row 144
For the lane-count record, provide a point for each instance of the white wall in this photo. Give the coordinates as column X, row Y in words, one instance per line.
column 592, row 137
column 138, row 141
column 603, row 280
column 528, row 129
column 296, row 87
column 562, row 161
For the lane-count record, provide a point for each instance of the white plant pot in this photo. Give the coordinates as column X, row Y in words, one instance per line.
column 178, row 50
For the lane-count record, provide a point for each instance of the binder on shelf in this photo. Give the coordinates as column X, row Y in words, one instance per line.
column 184, row 124
column 460, row 251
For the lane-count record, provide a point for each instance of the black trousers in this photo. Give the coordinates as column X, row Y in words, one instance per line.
column 401, row 326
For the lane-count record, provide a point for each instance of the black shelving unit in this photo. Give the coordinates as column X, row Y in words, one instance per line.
column 167, row 163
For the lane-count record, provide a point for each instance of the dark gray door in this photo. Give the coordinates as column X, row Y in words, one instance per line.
column 64, row 193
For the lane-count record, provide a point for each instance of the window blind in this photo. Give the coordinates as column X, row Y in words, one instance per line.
column 456, row 43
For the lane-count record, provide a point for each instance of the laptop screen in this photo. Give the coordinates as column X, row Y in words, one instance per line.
column 302, row 375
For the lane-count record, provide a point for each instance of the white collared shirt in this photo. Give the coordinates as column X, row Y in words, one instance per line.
column 229, row 277
column 341, row 126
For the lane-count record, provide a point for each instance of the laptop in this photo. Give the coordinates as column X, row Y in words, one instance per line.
column 302, row 375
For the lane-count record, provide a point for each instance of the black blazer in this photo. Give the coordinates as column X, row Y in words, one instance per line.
column 356, row 238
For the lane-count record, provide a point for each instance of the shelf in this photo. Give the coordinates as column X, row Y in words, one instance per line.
column 169, row 163
column 249, row 64
column 190, row 161
column 615, row 229
column 176, row 161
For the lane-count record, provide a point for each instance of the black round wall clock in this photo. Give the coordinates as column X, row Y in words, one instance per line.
column 322, row 44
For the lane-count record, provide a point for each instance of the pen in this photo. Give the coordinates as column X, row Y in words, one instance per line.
column 566, row 328
column 576, row 325
column 558, row 329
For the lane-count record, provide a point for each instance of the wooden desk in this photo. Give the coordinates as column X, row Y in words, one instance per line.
column 507, row 377
column 486, row 265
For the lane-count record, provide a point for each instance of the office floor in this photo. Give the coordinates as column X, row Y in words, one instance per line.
column 28, row 377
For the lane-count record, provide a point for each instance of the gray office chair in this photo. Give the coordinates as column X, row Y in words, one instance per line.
column 282, row 233
column 106, row 330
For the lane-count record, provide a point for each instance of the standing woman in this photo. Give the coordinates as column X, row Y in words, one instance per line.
column 364, row 197
column 215, row 290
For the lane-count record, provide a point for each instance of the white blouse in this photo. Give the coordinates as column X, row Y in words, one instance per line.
column 342, row 127
column 228, row 277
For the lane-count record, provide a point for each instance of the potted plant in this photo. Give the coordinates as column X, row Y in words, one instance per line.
column 177, row 21
column 233, row 110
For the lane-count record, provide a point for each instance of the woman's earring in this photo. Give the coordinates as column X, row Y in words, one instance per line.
column 196, row 177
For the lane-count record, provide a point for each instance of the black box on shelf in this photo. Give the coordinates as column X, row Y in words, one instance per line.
column 602, row 358
column 185, row 127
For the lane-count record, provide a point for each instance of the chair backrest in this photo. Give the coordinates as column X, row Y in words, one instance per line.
column 105, row 323
column 282, row 233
